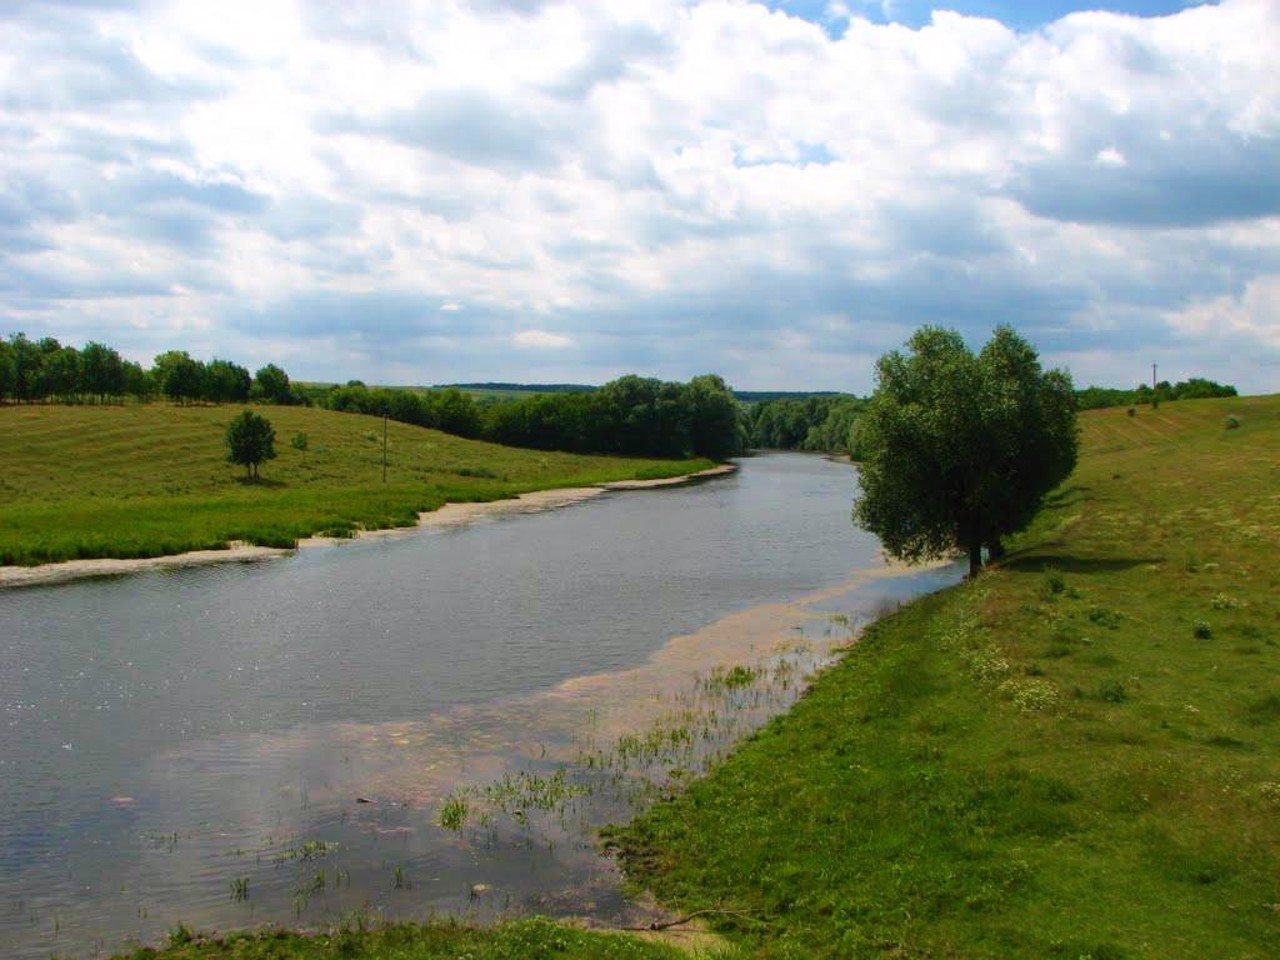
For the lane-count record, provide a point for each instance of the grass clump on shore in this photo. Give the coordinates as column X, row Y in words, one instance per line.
column 151, row 480
column 1058, row 759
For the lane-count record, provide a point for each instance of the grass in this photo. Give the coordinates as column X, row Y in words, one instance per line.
column 151, row 480
column 1052, row 761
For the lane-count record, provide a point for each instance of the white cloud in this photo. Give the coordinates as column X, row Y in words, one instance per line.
column 1249, row 317
column 673, row 186
column 541, row 340
column 1110, row 157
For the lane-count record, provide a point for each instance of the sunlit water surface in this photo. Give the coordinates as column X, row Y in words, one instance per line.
column 277, row 742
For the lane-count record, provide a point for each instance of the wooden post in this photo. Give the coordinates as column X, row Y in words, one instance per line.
column 384, row 445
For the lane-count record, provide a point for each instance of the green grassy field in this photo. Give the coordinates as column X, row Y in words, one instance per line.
column 150, row 480
column 1077, row 755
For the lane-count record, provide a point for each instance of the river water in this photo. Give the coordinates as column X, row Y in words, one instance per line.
column 278, row 742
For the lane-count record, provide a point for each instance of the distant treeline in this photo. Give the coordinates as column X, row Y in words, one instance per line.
column 746, row 396
column 822, row 423
column 632, row 415
column 45, row 371
column 1196, row 388
column 639, row 416
column 499, row 387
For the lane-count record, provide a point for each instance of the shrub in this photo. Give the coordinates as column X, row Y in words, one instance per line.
column 1052, row 584
column 1113, row 691
column 1132, row 411
column 1105, row 618
column 299, row 441
column 1232, row 423
column 1201, row 630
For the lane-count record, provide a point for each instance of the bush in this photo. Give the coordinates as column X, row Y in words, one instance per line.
column 299, row 441
column 1113, row 691
column 1231, row 423
column 1132, row 411
column 1105, row 618
column 1052, row 585
column 1201, row 630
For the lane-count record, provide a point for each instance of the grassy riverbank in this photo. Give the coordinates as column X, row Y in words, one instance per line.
column 531, row 939
column 152, row 480
column 1074, row 756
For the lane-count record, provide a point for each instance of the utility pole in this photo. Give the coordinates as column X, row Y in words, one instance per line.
column 1153, row 378
column 384, row 444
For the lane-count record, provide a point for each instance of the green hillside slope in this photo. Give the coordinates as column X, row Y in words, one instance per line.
column 150, row 480
column 1077, row 755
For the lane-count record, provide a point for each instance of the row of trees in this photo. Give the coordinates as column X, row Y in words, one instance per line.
column 636, row 416
column 825, row 424
column 449, row 410
column 1195, row 388
column 632, row 415
column 46, row 371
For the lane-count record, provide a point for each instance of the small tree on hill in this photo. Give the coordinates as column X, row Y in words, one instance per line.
column 250, row 440
column 960, row 450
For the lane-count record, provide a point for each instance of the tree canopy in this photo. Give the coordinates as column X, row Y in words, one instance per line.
column 959, row 450
column 250, row 440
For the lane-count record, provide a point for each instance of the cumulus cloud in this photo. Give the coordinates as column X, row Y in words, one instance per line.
column 1247, row 318
column 668, row 187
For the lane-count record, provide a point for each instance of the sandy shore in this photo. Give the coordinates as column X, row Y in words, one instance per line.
column 450, row 515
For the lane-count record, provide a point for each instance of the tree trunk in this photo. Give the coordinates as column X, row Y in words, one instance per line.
column 975, row 557
column 995, row 550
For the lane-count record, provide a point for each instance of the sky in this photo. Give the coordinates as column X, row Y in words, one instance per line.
column 569, row 190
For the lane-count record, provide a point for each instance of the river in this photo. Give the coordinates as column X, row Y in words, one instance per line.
column 246, row 743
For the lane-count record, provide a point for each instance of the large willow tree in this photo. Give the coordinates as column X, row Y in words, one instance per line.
column 959, row 450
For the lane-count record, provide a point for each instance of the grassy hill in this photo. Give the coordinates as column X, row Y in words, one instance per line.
column 1077, row 755
column 150, row 480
